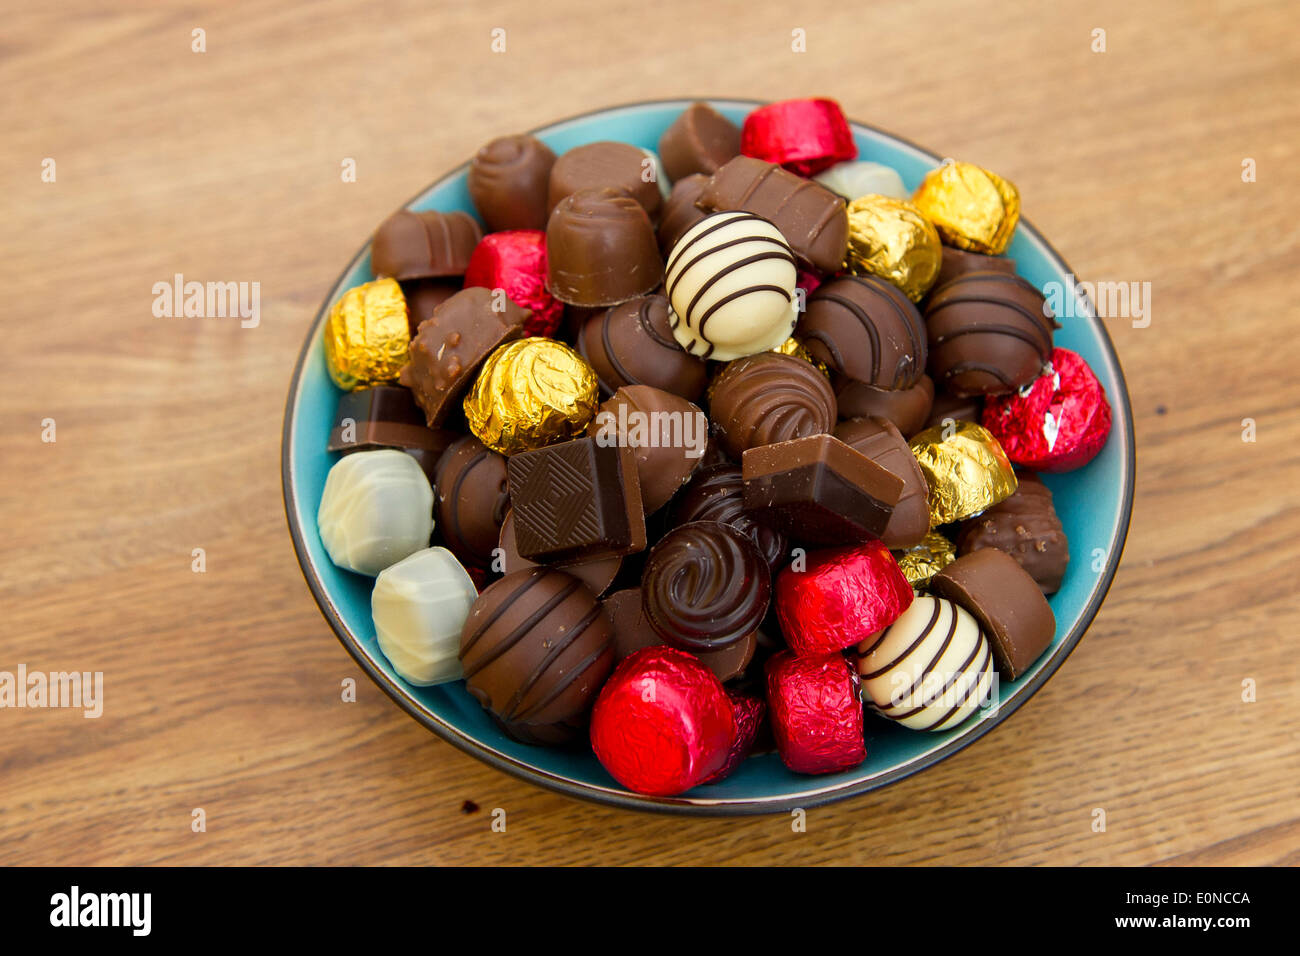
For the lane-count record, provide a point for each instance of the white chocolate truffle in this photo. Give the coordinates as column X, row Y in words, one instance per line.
column 376, row 509
column 931, row 669
column 731, row 280
column 859, row 177
column 419, row 606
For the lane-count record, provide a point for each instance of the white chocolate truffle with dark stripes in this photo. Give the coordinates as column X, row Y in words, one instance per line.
column 930, row 670
column 731, row 281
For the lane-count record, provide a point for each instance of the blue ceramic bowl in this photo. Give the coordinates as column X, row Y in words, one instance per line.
column 1094, row 504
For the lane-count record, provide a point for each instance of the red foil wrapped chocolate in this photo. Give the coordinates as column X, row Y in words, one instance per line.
column 1056, row 423
column 663, row 722
column 748, row 711
column 515, row 261
column 804, row 136
column 815, row 712
column 841, row 598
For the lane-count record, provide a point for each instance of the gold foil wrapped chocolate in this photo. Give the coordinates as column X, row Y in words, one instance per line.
column 921, row 562
column 972, row 208
column 530, row 393
column 890, row 238
column 367, row 336
column 966, row 469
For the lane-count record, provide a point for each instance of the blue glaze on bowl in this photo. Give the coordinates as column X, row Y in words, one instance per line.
column 1094, row 504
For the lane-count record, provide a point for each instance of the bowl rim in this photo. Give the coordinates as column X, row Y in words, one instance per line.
column 812, row 795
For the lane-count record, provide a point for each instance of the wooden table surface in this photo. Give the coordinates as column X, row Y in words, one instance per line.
column 222, row 688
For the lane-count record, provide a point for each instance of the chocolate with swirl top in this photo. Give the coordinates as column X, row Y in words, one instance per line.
column 717, row 493
column 471, row 500
column 417, row 245
column 633, row 344
column 867, row 329
column 769, row 398
column 705, row 586
column 508, row 181
column 536, row 648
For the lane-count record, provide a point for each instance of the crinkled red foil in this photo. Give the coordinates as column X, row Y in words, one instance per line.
column 842, row 597
column 1058, row 422
column 515, row 261
column 663, row 722
column 804, row 136
column 808, row 281
column 815, row 712
column 748, row 711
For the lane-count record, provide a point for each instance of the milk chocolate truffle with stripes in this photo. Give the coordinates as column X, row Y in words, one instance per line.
column 731, row 280
column 419, row 245
column 471, row 500
column 633, row 344
column 768, row 398
column 880, row 441
column 536, row 647
column 866, row 329
column 989, row 334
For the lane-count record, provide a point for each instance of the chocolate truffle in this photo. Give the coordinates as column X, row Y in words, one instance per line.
column 633, row 344
column 508, row 182
column 618, row 166
column 1006, row 601
column 376, row 509
column 880, row 441
column 698, row 141
column 705, row 586
column 536, row 648
column 425, row 295
column 768, row 398
column 731, row 281
column 451, row 345
column 666, row 433
column 957, row 262
column 680, row 211
column 717, row 493
column 632, row 631
column 418, row 245
column 601, row 249
column 472, row 498
column 419, row 606
column 867, row 329
column 989, row 334
column 907, row 408
column 597, row 575
column 1026, row 527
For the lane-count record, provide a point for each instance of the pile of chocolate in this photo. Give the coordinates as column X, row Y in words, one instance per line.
column 706, row 470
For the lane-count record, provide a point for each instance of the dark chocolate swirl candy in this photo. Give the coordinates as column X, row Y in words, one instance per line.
column 633, row 344
column 471, row 500
column 768, row 398
column 717, row 493
column 867, row 329
column 705, row 586
column 989, row 334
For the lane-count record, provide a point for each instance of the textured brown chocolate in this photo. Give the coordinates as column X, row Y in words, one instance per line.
column 1027, row 528
column 470, row 500
column 632, row 632
column 666, row 433
column 768, row 398
column 907, row 408
column 954, row 408
column 425, row 295
column 536, row 648
column 717, row 493
column 451, row 345
column 700, row 140
column 819, row 490
column 989, row 334
column 601, row 249
column 958, row 262
column 867, row 329
column 508, row 182
column 597, row 575
column 680, row 211
column 419, row 245
column 811, row 217
column 633, row 344
column 883, row 443
column 576, row 501
column 619, row 166
column 1006, row 601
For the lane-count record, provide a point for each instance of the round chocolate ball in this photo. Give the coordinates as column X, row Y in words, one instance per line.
column 633, row 344
column 471, row 500
column 867, row 329
column 769, row 398
column 717, row 493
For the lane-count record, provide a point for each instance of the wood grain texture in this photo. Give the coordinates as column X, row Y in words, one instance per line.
column 223, row 688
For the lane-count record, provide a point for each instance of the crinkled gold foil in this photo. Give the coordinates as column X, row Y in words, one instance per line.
column 967, row 471
column 367, row 336
column 890, row 238
column 530, row 393
column 923, row 561
column 972, row 208
column 795, row 347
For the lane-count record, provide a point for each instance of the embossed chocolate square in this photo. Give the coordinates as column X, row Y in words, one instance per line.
column 819, row 490
column 576, row 500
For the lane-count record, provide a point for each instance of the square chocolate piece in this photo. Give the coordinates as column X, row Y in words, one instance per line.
column 577, row 500
column 819, row 490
